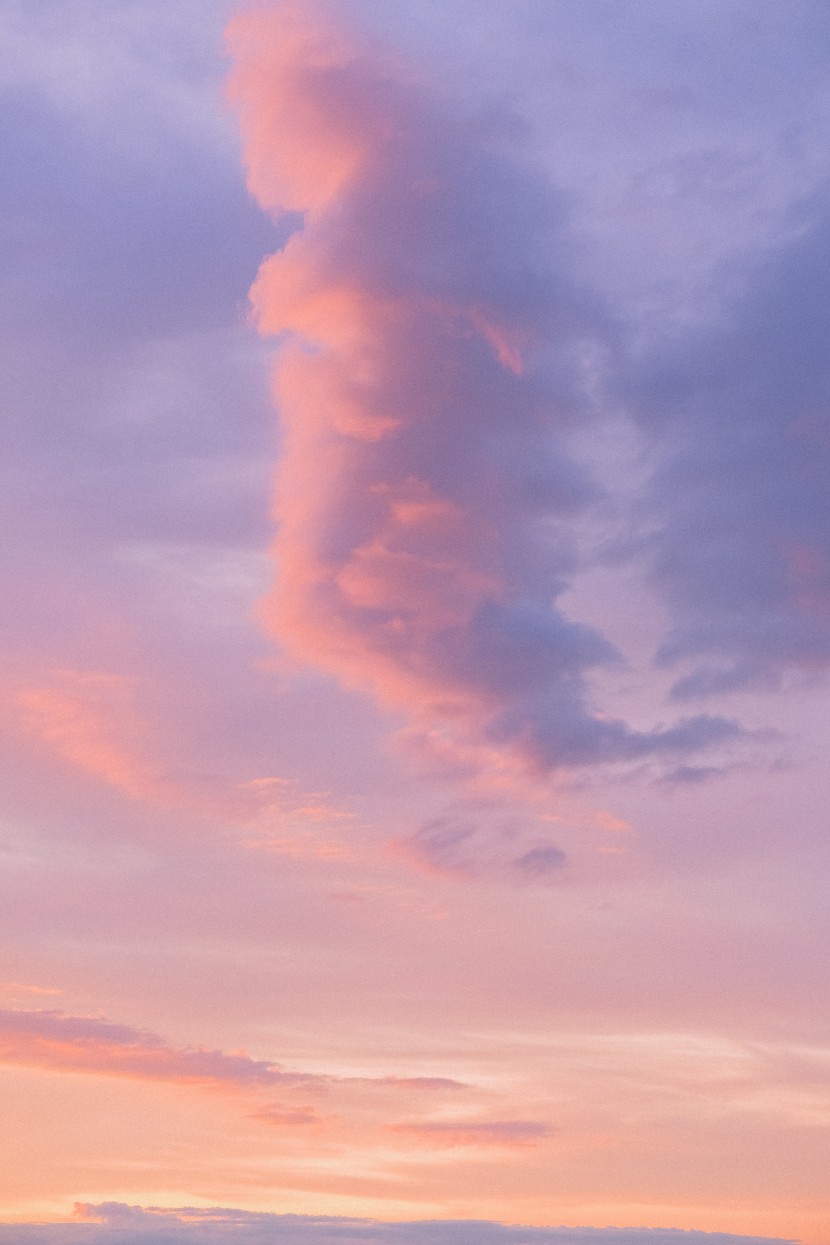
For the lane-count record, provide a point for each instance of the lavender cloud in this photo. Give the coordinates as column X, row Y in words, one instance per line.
column 739, row 417
column 132, row 1225
column 55, row 1041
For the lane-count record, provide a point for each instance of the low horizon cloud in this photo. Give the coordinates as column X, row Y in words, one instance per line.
column 112, row 1222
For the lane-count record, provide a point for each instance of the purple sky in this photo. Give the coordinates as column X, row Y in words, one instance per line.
column 416, row 620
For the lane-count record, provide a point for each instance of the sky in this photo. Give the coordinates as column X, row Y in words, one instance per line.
column 416, row 622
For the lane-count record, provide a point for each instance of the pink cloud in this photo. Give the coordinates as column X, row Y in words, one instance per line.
column 428, row 385
column 58, row 1042
column 88, row 718
column 288, row 1117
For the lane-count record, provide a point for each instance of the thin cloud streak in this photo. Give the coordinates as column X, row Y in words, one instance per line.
column 54, row 1041
column 453, row 1133
column 738, row 415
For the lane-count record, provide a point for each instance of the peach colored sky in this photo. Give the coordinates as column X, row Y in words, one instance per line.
column 417, row 621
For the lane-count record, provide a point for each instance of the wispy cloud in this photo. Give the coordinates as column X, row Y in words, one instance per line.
column 485, row 842
column 58, row 1042
column 62, row 1043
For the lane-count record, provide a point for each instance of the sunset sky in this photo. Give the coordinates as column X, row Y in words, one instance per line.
column 416, row 622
